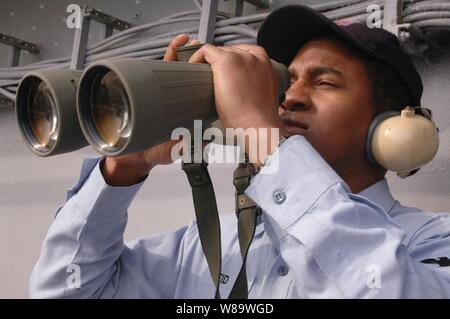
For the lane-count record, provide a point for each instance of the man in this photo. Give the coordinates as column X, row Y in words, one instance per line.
column 330, row 228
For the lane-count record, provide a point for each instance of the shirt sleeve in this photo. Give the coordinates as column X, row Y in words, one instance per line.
column 353, row 247
column 84, row 255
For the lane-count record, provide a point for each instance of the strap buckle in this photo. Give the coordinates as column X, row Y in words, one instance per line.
column 245, row 202
column 197, row 173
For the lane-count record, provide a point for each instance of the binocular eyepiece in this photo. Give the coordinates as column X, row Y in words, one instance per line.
column 106, row 114
column 46, row 112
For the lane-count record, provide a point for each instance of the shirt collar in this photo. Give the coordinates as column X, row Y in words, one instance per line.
column 380, row 194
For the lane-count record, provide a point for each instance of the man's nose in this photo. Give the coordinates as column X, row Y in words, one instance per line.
column 296, row 100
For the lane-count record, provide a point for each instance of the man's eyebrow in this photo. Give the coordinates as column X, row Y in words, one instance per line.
column 321, row 70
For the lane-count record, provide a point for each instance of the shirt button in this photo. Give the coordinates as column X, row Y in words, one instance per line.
column 283, row 271
column 279, row 197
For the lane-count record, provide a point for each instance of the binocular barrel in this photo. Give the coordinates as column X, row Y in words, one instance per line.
column 118, row 106
column 126, row 105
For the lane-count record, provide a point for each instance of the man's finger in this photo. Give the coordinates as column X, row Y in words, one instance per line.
column 253, row 49
column 207, row 53
column 195, row 42
column 171, row 53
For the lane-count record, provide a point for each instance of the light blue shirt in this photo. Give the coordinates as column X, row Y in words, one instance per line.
column 315, row 239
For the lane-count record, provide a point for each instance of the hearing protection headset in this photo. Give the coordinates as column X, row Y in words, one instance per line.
column 402, row 142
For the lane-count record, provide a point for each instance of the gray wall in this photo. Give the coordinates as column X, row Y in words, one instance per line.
column 32, row 188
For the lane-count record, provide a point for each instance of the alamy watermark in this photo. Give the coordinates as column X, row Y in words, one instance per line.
column 74, row 18
column 374, row 18
column 73, row 280
column 373, row 280
column 256, row 143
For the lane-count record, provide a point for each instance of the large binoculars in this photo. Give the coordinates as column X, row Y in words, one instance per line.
column 118, row 106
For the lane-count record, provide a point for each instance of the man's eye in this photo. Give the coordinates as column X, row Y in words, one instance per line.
column 325, row 83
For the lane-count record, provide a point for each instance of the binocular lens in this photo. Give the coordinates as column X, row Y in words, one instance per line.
column 110, row 110
column 42, row 117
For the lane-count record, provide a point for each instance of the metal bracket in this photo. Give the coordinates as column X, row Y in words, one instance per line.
column 260, row 4
column 239, row 8
column 208, row 21
column 82, row 34
column 209, row 12
column 17, row 45
column 106, row 19
column 392, row 20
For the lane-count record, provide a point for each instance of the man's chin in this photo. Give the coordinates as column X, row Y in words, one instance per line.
column 295, row 130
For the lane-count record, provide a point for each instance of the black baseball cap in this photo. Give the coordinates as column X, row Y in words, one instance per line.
column 289, row 28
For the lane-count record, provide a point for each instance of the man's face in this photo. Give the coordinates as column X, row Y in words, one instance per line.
column 329, row 102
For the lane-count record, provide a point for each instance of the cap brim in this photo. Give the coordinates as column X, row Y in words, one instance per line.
column 289, row 28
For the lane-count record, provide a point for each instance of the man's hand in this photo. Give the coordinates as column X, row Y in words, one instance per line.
column 246, row 90
column 130, row 169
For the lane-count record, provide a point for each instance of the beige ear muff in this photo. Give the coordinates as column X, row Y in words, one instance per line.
column 403, row 143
